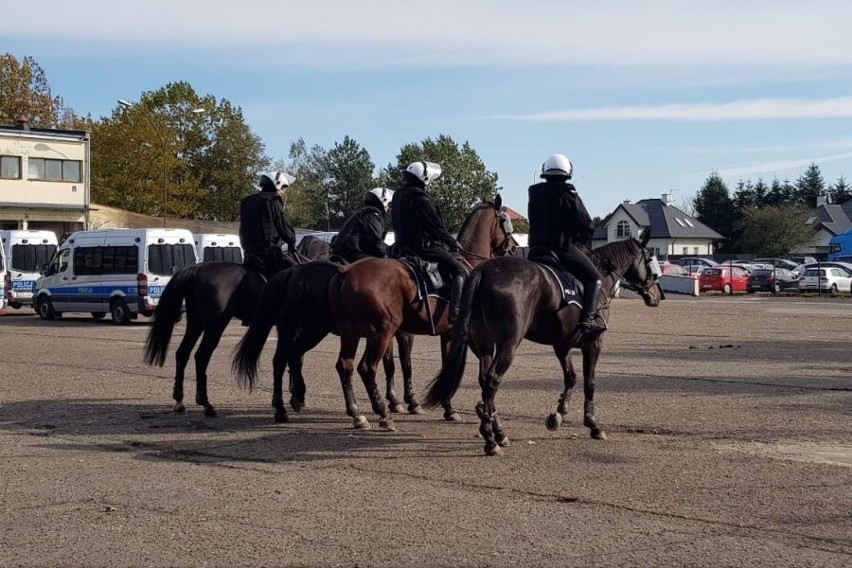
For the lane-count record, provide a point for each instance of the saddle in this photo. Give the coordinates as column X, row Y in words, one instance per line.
column 570, row 287
column 428, row 276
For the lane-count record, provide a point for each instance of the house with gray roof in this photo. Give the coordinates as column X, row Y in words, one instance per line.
column 828, row 220
column 673, row 232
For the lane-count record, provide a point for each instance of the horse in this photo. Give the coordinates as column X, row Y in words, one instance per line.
column 510, row 299
column 375, row 298
column 296, row 302
column 213, row 293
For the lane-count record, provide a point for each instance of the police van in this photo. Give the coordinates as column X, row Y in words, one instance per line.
column 220, row 247
column 118, row 271
column 3, row 273
column 26, row 251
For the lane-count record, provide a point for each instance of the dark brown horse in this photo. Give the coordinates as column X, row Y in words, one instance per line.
column 510, row 299
column 374, row 298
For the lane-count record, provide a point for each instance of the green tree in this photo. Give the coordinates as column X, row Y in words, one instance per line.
column 840, row 191
column 808, row 186
column 24, row 90
column 774, row 231
column 349, row 175
column 780, row 193
column 465, row 181
column 715, row 208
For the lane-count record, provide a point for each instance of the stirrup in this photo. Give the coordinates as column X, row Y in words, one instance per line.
column 592, row 324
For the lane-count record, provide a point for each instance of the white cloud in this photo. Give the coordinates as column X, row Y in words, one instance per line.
column 761, row 109
column 452, row 33
column 774, row 168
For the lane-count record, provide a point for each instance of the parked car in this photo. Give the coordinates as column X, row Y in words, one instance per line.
column 773, row 280
column 723, row 278
column 695, row 264
column 845, row 266
column 673, row 269
column 803, row 259
column 830, row 279
column 777, row 262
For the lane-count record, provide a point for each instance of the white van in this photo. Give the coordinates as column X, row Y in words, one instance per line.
column 218, row 247
column 3, row 273
column 120, row 271
column 27, row 251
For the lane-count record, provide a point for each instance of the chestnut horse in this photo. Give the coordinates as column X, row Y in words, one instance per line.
column 510, row 299
column 374, row 298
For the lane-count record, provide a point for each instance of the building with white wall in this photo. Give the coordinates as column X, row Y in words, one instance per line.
column 44, row 178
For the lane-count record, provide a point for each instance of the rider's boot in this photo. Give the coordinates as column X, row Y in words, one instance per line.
column 455, row 298
column 590, row 322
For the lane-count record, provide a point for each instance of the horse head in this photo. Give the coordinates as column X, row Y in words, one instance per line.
column 642, row 276
column 487, row 231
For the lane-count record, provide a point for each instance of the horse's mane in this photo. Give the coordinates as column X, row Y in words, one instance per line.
column 472, row 214
column 619, row 253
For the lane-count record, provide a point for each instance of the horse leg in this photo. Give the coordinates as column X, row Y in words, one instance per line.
column 569, row 378
column 190, row 337
column 209, row 342
column 279, row 365
column 489, row 424
column 307, row 339
column 406, row 342
column 450, row 414
column 591, row 353
column 390, row 370
column 345, row 365
column 367, row 367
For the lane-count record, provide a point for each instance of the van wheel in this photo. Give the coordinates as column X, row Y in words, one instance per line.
column 120, row 313
column 98, row 315
column 726, row 289
column 45, row 308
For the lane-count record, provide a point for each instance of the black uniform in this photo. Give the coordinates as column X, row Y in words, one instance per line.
column 419, row 229
column 264, row 230
column 559, row 221
column 363, row 234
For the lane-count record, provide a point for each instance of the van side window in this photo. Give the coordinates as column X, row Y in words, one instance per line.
column 88, row 261
column 121, row 260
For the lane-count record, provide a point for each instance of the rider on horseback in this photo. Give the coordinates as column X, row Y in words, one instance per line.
column 263, row 227
column 419, row 228
column 559, row 222
column 363, row 234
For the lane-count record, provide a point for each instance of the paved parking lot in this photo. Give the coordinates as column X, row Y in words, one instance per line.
column 730, row 444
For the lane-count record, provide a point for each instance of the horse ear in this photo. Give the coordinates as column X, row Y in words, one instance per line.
column 646, row 236
column 498, row 202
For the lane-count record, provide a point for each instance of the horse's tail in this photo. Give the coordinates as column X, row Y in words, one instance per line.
column 444, row 386
column 167, row 314
column 248, row 350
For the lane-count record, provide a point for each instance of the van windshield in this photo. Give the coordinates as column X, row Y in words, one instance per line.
column 31, row 258
column 165, row 260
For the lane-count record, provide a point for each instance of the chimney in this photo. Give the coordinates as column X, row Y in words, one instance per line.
column 666, row 199
column 822, row 199
column 22, row 122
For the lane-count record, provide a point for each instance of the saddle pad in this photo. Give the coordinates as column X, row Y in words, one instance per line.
column 414, row 266
column 568, row 285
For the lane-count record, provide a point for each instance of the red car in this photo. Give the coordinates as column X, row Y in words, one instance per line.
column 722, row 278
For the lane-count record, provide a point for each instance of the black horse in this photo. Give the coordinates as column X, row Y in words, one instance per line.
column 510, row 299
column 296, row 303
column 213, row 293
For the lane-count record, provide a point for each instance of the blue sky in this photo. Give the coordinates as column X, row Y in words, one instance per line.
column 644, row 97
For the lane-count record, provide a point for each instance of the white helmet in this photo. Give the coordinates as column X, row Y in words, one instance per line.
column 427, row 172
column 557, row 165
column 279, row 179
column 384, row 194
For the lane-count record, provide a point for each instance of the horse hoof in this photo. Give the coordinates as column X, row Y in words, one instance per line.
column 493, row 450
column 387, row 424
column 598, row 434
column 415, row 409
column 297, row 405
column 282, row 417
column 211, row 412
column 361, row 423
column 553, row 422
column 504, row 442
column 452, row 417
column 179, row 407
column 395, row 408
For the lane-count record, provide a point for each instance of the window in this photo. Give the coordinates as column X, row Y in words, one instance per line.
column 685, row 250
column 88, row 261
column 10, row 167
column 622, row 230
column 31, row 258
column 679, row 221
column 165, row 260
column 121, row 260
column 223, row 254
column 53, row 170
column 694, row 250
column 688, row 222
column 59, row 263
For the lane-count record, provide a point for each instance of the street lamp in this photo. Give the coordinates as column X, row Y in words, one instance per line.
column 161, row 135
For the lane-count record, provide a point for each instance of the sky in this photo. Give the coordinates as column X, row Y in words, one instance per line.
column 645, row 98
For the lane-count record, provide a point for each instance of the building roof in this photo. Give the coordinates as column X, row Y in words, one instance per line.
column 834, row 218
column 514, row 215
column 665, row 221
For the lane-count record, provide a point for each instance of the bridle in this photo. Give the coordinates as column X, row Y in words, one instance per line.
column 506, row 246
column 641, row 288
